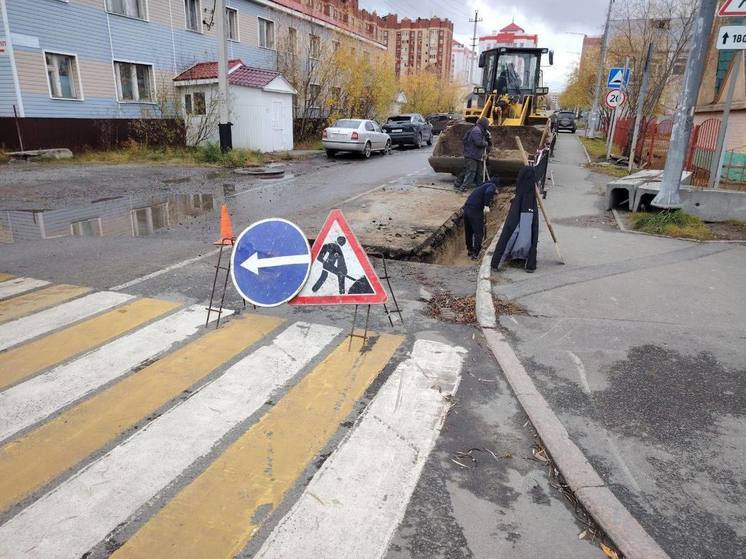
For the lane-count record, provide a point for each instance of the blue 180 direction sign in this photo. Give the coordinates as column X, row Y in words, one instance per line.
column 270, row 262
column 731, row 37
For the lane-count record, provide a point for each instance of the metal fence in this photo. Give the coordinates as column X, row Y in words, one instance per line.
column 653, row 144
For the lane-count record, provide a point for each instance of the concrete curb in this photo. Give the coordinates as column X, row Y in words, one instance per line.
column 618, row 523
column 623, row 229
column 585, row 151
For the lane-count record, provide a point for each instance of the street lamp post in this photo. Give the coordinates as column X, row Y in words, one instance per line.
column 595, row 111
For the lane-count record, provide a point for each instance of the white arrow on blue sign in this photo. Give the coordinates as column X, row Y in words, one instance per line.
column 270, row 262
column 617, row 78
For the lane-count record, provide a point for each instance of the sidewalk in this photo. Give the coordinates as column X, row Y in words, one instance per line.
column 638, row 344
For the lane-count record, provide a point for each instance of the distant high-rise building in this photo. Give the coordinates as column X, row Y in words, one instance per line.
column 463, row 61
column 420, row 45
column 509, row 36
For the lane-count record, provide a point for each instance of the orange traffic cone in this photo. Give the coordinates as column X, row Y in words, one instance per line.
column 226, row 228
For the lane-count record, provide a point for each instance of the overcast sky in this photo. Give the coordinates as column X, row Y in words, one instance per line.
column 554, row 22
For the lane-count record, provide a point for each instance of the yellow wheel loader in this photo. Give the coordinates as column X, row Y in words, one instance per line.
column 511, row 98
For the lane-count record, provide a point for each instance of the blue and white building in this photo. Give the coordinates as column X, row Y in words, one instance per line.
column 110, row 58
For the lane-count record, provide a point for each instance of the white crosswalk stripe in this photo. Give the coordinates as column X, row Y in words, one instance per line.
column 16, row 286
column 81, row 511
column 31, row 401
column 355, row 502
column 23, row 329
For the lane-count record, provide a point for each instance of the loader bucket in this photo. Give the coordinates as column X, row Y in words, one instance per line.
column 504, row 160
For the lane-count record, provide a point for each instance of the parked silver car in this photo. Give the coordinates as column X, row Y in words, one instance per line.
column 357, row 135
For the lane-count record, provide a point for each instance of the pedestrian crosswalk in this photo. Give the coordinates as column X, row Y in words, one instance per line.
column 124, row 416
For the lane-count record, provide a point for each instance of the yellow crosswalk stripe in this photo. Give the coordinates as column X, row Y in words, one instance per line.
column 4, row 277
column 23, row 361
column 30, row 461
column 38, row 300
column 217, row 514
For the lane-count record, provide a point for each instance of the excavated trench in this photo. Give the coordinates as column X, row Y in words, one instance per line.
column 446, row 246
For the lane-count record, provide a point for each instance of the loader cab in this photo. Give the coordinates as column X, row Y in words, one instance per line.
column 512, row 71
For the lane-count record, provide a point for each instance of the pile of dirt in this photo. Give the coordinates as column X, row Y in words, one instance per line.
column 463, row 310
column 451, row 140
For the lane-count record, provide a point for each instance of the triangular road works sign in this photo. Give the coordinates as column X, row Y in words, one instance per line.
column 733, row 8
column 341, row 273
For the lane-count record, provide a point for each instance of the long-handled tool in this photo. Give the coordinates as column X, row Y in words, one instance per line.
column 524, row 155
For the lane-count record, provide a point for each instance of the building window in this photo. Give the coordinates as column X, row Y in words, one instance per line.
column 129, row 8
column 192, row 11
column 266, row 33
column 62, row 74
column 231, row 22
column 188, row 103
column 86, row 228
column 292, row 39
column 335, row 45
column 134, row 82
column 315, row 42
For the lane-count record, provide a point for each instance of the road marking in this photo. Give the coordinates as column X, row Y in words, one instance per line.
column 23, row 329
column 30, row 461
column 109, row 491
column 5, row 277
column 355, row 502
column 219, row 511
column 25, row 360
column 17, row 286
column 29, row 402
column 162, row 271
column 581, row 372
column 39, row 300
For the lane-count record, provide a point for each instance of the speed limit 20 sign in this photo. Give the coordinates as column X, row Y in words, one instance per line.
column 615, row 98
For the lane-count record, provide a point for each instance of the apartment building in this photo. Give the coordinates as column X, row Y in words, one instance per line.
column 421, row 44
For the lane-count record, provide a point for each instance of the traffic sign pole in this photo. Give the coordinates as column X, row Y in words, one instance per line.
column 615, row 115
column 719, row 154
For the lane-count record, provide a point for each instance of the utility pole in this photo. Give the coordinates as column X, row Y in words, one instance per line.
column 224, row 124
column 718, row 156
column 474, row 43
column 641, row 104
column 668, row 196
column 595, row 111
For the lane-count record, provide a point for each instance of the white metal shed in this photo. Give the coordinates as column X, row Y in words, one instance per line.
column 261, row 106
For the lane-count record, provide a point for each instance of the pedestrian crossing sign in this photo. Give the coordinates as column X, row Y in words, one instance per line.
column 618, row 77
column 340, row 271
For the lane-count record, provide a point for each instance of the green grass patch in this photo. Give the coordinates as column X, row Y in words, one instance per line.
column 596, row 148
column 675, row 223
column 133, row 152
column 611, row 170
column 310, row 143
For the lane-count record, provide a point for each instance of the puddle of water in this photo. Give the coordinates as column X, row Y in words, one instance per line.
column 116, row 216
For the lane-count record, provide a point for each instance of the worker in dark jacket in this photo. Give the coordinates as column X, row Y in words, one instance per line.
column 477, row 204
column 476, row 141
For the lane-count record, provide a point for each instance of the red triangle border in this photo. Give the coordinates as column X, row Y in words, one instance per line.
column 725, row 6
column 378, row 297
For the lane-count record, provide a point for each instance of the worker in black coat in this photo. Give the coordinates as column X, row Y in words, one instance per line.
column 477, row 204
column 520, row 233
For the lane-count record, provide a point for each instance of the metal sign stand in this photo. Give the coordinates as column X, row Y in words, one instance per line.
column 227, row 270
column 395, row 310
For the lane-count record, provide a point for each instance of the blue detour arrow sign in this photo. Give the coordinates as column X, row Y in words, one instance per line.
column 270, row 262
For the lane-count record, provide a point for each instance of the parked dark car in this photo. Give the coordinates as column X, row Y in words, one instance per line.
column 410, row 129
column 441, row 121
column 566, row 121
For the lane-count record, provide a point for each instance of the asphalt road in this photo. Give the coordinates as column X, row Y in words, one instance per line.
column 501, row 503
